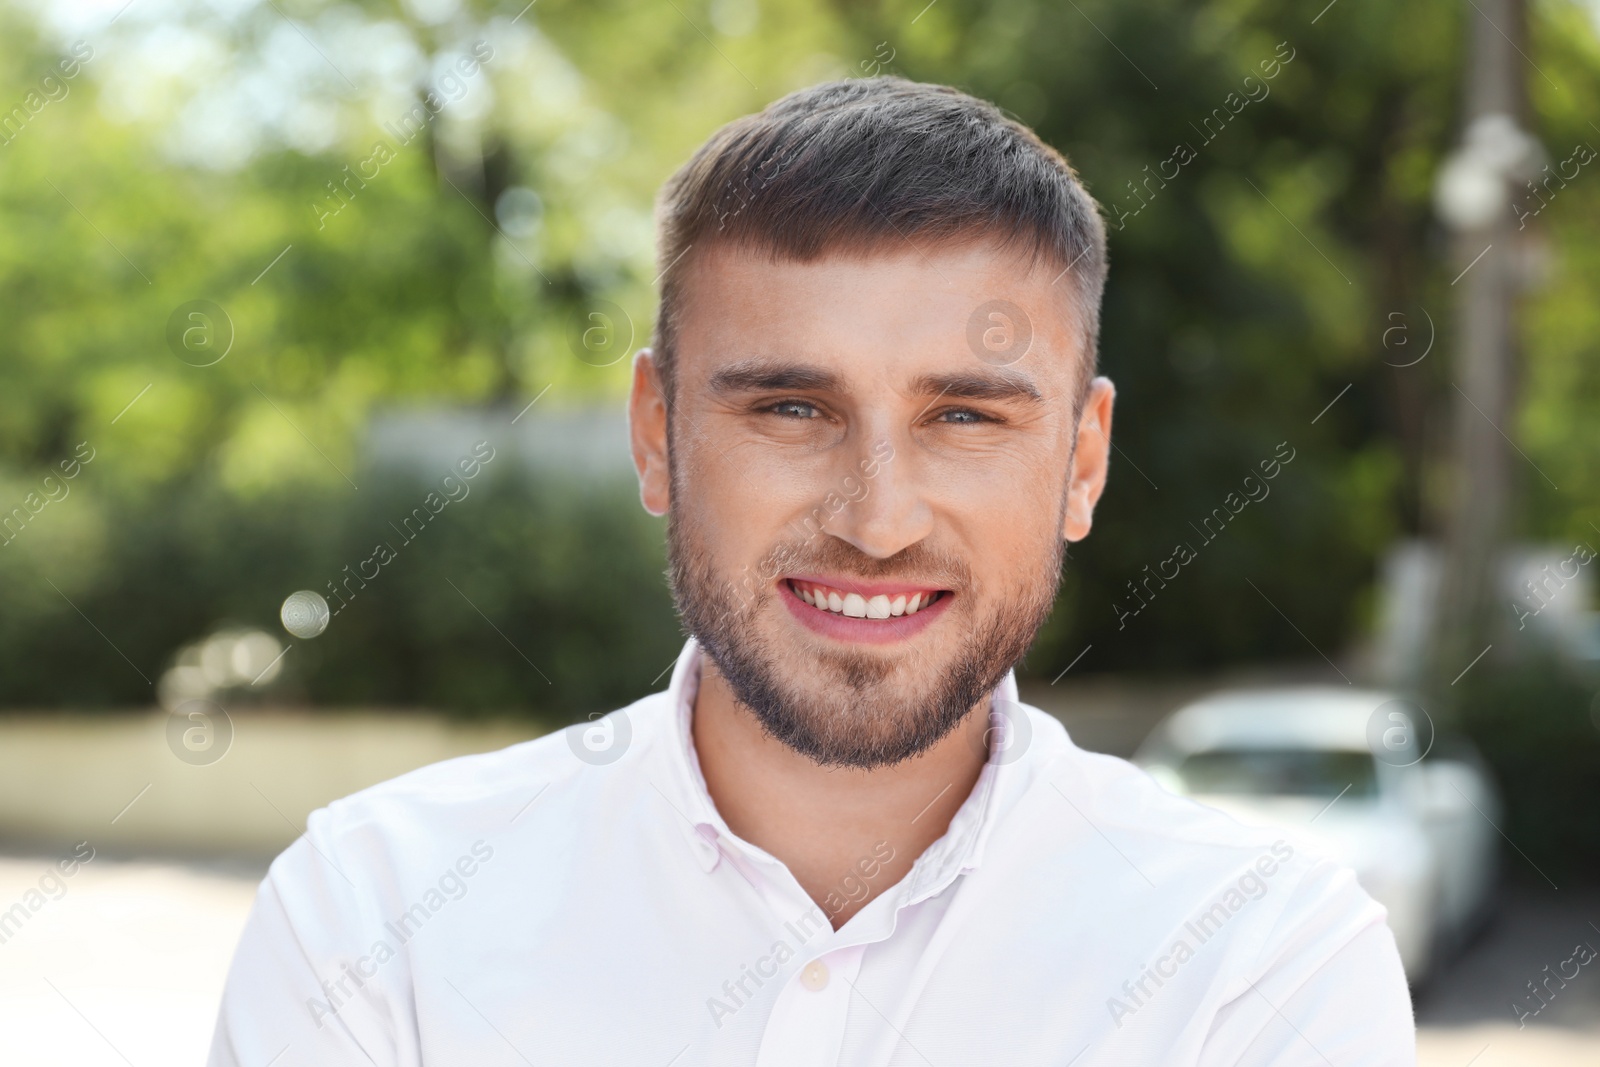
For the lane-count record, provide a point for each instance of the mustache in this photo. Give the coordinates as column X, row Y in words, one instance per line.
column 917, row 563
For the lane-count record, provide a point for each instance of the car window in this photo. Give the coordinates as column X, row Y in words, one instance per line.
column 1279, row 772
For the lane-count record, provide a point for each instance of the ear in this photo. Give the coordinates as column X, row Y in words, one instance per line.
column 1090, row 462
column 647, row 433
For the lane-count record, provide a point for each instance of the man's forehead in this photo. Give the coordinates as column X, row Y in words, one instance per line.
column 953, row 263
column 973, row 303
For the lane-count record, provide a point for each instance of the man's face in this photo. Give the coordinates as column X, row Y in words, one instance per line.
column 871, row 474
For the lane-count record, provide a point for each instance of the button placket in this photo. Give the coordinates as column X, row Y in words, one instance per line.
column 807, row 1023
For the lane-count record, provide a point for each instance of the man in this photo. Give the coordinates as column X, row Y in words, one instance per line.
column 871, row 418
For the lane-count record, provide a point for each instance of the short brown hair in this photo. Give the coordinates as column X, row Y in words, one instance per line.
column 865, row 163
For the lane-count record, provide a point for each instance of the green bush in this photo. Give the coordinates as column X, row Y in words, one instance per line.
column 529, row 596
column 1534, row 725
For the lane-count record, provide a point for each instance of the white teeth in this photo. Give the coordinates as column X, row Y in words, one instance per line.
column 857, row 606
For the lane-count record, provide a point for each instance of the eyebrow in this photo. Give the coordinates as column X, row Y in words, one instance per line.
column 972, row 385
column 758, row 375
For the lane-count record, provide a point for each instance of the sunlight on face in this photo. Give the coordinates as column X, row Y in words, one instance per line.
column 869, row 474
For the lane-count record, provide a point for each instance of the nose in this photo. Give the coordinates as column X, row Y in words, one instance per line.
column 887, row 508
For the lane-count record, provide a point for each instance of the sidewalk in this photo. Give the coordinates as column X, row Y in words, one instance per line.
column 124, row 966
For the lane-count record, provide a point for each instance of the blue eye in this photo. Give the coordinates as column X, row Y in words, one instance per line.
column 966, row 416
column 797, row 409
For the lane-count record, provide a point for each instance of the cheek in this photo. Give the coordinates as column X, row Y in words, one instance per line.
column 1014, row 548
column 1014, row 497
column 1010, row 467
column 730, row 515
column 758, row 494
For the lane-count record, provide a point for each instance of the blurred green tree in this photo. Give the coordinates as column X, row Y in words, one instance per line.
column 236, row 158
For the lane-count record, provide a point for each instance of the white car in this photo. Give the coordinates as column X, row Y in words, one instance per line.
column 1359, row 776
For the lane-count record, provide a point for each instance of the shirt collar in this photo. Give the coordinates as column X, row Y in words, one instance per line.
column 959, row 850
column 705, row 823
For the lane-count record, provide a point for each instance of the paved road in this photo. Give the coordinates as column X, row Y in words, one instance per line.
column 123, row 962
column 1469, row 1010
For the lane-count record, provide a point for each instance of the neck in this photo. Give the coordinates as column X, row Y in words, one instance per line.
column 845, row 834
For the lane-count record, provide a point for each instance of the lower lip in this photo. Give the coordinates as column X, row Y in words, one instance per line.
column 862, row 631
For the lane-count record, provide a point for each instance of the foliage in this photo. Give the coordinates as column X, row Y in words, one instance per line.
column 529, row 595
column 1537, row 724
column 199, row 155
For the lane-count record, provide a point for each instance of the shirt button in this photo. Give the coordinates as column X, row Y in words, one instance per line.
column 815, row 976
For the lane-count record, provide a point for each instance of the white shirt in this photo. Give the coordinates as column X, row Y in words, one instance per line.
column 578, row 900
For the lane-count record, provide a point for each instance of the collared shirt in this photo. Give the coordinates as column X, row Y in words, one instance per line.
column 578, row 900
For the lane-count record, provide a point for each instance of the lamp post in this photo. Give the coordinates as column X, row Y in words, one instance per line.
column 1474, row 195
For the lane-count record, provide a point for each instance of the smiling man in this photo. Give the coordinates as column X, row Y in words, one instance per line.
column 871, row 418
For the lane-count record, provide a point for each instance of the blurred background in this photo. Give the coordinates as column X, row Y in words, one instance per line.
column 339, row 298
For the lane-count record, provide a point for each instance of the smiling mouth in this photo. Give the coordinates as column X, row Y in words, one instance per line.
column 831, row 600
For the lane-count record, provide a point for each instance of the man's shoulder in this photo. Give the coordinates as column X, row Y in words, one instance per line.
column 438, row 804
column 1117, row 797
column 1164, row 862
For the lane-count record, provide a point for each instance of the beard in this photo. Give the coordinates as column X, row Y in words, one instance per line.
column 870, row 707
